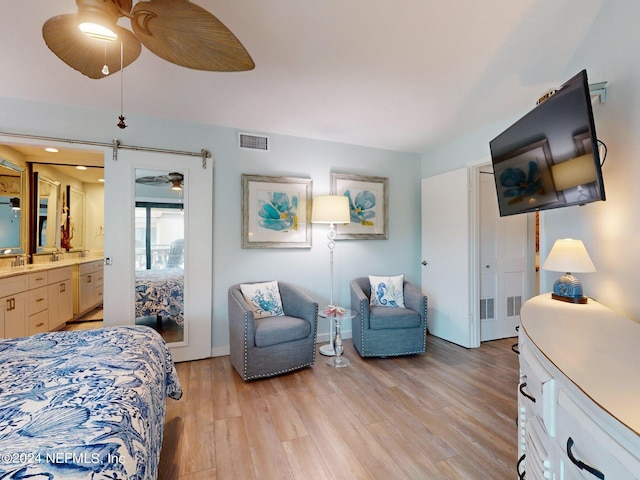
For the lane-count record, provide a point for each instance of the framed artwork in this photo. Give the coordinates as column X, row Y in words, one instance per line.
column 525, row 176
column 582, row 141
column 276, row 212
column 369, row 205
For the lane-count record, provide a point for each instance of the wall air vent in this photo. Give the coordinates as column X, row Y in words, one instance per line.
column 253, row 142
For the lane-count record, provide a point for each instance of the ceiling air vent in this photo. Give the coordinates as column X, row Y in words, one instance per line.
column 253, row 142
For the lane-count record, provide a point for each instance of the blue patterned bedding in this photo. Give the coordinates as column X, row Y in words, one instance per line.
column 84, row 404
column 160, row 292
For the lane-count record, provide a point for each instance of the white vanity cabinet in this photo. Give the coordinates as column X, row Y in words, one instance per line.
column 60, row 297
column 13, row 306
column 35, row 302
column 90, row 277
column 579, row 392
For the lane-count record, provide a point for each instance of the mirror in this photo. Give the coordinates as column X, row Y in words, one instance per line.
column 11, row 204
column 159, row 244
column 47, row 212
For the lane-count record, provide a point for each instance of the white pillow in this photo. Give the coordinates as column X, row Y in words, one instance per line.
column 387, row 291
column 263, row 298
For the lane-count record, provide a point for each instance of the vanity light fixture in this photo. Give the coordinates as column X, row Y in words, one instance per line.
column 81, row 167
column 51, row 150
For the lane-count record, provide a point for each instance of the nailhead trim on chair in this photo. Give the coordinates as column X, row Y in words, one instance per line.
column 245, row 377
column 246, row 345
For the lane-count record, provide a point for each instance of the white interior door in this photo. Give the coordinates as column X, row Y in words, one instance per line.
column 445, row 254
column 120, row 253
column 503, row 264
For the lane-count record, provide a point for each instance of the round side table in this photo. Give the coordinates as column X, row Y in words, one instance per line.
column 337, row 314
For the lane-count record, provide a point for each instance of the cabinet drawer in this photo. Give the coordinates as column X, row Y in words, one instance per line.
column 38, row 300
column 91, row 267
column 537, row 389
column 59, row 274
column 585, row 442
column 538, row 462
column 38, row 279
column 38, row 323
column 13, row 285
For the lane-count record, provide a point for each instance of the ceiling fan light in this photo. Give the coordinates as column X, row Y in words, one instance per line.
column 97, row 31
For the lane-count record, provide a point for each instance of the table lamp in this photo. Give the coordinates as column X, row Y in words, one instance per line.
column 331, row 209
column 568, row 255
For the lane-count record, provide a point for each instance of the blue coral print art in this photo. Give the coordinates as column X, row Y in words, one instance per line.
column 362, row 207
column 278, row 212
column 368, row 205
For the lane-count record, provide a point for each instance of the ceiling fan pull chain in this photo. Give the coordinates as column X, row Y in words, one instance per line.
column 121, row 117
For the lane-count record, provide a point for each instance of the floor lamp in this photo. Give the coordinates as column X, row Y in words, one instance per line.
column 331, row 209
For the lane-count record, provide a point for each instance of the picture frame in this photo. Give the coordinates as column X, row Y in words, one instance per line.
column 582, row 141
column 276, row 212
column 531, row 163
column 369, row 205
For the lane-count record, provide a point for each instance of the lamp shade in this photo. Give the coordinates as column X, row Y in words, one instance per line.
column 569, row 255
column 330, row 209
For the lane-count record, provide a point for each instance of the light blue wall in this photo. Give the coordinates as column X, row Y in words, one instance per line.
column 611, row 229
column 289, row 156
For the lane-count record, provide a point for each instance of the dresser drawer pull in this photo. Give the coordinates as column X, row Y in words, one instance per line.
column 521, row 388
column 581, row 465
column 40, row 324
column 39, row 279
column 11, row 304
column 520, row 474
column 39, row 300
column 63, row 287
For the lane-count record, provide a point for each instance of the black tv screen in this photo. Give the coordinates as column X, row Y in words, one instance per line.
column 549, row 158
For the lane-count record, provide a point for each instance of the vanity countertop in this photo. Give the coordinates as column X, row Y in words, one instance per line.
column 38, row 267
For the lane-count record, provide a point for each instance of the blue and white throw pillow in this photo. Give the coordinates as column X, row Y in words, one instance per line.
column 263, row 298
column 387, row 291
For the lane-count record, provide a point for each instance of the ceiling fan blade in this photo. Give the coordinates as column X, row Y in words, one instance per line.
column 154, row 180
column 123, row 5
column 88, row 55
column 188, row 35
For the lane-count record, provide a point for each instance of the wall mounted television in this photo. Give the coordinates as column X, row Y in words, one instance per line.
column 549, row 158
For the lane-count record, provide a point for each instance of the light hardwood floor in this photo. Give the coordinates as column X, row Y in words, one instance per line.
column 447, row 414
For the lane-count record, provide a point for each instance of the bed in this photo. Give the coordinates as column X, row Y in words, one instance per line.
column 160, row 293
column 84, row 404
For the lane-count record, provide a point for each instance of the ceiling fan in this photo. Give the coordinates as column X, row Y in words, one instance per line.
column 176, row 30
column 173, row 178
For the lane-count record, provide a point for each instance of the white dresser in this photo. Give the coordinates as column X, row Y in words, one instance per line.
column 579, row 400
column 35, row 301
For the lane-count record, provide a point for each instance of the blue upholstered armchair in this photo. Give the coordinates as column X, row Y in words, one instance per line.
column 263, row 347
column 381, row 331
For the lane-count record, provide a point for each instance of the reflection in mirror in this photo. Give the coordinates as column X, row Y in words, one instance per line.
column 47, row 202
column 73, row 215
column 159, row 243
column 11, row 215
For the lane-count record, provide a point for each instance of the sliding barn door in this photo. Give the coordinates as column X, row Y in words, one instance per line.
column 122, row 254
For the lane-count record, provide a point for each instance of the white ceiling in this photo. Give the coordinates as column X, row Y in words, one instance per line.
column 400, row 75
